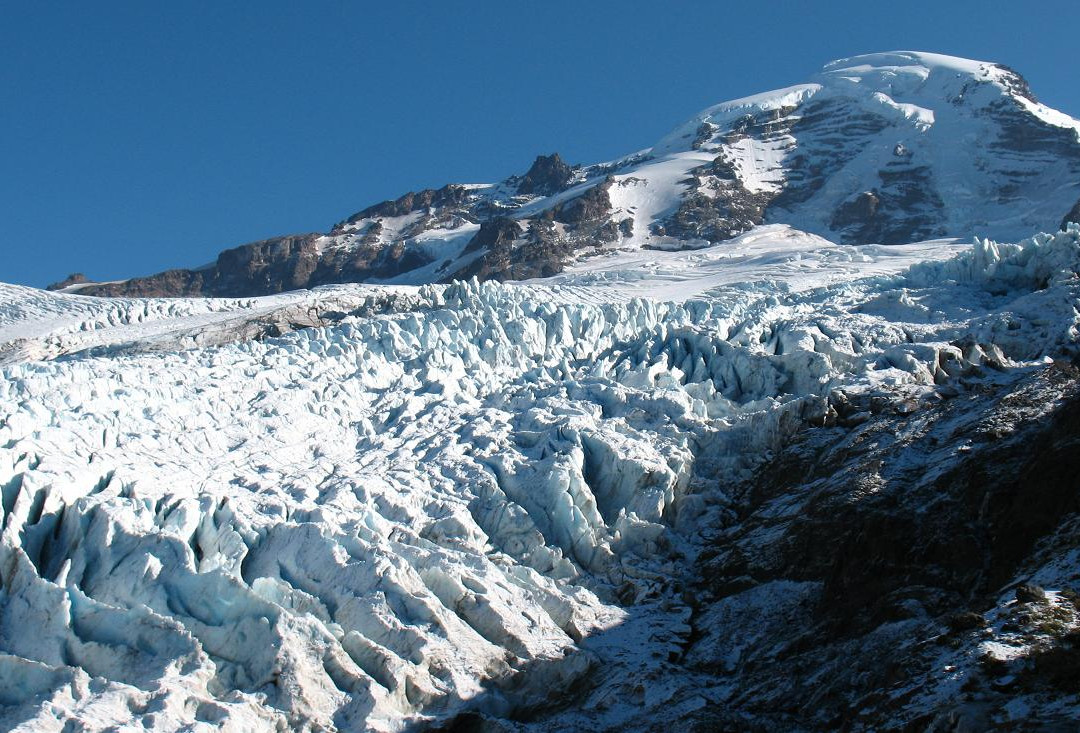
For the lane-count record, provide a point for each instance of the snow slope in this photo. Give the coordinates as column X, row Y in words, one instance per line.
column 447, row 496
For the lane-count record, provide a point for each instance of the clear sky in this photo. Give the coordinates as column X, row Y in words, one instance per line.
column 137, row 136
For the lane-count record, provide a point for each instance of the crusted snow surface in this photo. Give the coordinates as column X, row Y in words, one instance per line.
column 473, row 496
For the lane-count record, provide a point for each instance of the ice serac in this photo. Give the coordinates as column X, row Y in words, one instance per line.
column 879, row 149
column 542, row 504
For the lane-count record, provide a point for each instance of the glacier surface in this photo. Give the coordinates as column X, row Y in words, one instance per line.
column 376, row 507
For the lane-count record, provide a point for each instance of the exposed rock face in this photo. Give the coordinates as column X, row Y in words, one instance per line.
column 884, row 148
column 498, row 233
column 74, row 278
column 718, row 208
column 573, row 226
column 591, row 207
column 872, row 215
column 547, row 175
column 1073, row 216
column 448, row 196
column 271, row 266
column 881, row 125
column 824, row 131
column 872, row 549
column 513, row 253
column 857, row 212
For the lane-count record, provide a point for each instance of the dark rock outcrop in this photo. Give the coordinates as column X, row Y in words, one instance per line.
column 728, row 212
column 1030, row 593
column 495, row 234
column 856, row 212
column 891, row 545
column 1072, row 217
column 1016, row 83
column 547, row 175
column 449, row 195
column 905, row 208
column 504, row 256
column 271, row 266
column 74, row 278
column 591, row 207
column 168, row 284
column 512, row 253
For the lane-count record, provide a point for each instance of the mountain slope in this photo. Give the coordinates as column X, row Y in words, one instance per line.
column 884, row 148
column 783, row 481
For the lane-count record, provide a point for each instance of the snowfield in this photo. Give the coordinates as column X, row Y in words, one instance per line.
column 375, row 507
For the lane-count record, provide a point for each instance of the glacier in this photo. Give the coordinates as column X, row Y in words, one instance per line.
column 384, row 507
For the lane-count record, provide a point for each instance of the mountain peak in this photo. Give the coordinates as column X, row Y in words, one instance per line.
column 882, row 148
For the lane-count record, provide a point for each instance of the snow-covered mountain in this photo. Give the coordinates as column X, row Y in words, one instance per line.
column 884, row 148
column 775, row 484
column 782, row 481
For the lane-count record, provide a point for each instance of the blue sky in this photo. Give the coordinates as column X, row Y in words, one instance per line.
column 137, row 136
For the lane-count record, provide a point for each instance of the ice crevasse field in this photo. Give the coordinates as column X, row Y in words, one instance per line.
column 448, row 496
